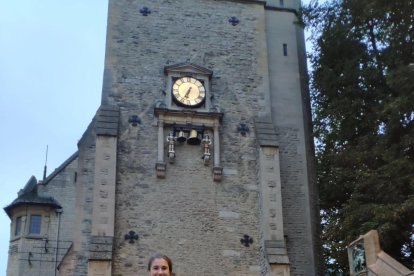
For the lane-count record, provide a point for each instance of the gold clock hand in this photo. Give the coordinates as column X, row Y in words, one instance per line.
column 188, row 92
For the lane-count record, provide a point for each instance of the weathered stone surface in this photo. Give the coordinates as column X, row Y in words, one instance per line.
column 194, row 212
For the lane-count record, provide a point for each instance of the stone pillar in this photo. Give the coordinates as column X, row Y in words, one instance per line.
column 160, row 141
column 160, row 166
column 216, row 142
column 103, row 210
column 217, row 168
column 271, row 198
column 270, row 183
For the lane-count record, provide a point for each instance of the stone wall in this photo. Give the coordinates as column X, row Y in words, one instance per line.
column 78, row 259
column 200, row 223
column 61, row 185
column 187, row 215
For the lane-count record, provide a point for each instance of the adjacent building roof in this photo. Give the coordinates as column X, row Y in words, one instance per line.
column 28, row 196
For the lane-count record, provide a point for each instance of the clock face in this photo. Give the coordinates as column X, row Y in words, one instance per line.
column 188, row 91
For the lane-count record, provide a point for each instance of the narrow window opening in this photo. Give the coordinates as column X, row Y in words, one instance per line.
column 35, row 224
column 285, row 49
column 18, row 227
column 282, row 3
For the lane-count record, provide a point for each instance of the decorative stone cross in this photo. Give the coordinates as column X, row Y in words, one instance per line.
column 247, row 240
column 243, row 129
column 134, row 120
column 234, row 21
column 145, row 11
column 131, row 236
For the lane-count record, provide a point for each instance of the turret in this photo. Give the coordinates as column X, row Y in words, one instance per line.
column 31, row 216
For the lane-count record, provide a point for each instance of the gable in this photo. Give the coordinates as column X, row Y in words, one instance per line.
column 188, row 68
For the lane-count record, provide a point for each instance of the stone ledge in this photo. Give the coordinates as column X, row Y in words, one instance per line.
column 217, row 174
column 100, row 248
column 160, row 168
column 276, row 252
column 107, row 120
column 265, row 132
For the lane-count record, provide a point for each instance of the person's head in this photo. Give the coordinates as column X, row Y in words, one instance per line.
column 159, row 265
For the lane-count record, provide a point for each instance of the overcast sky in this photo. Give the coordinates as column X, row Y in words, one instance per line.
column 51, row 66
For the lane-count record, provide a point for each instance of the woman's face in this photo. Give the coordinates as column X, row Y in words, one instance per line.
column 159, row 267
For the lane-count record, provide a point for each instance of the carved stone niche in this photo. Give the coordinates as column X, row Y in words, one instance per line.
column 170, row 114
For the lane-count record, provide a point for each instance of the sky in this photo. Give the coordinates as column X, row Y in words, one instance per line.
column 51, row 68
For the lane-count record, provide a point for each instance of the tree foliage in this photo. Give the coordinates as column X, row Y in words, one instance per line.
column 362, row 89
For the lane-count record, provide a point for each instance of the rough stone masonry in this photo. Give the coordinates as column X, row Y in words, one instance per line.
column 252, row 209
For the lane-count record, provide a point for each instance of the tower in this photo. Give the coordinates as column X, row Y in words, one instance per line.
column 200, row 149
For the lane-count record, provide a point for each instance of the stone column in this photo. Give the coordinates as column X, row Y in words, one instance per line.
column 271, row 198
column 103, row 208
column 160, row 166
column 160, row 140
column 217, row 168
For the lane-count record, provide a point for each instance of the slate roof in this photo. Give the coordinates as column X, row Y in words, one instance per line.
column 28, row 196
column 60, row 168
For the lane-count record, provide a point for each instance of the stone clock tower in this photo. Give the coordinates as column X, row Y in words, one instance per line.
column 201, row 150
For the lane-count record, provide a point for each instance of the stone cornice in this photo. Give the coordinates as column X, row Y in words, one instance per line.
column 171, row 117
column 282, row 9
column 266, row 5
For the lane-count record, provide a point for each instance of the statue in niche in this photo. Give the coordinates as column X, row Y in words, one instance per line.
column 206, row 144
column 171, row 146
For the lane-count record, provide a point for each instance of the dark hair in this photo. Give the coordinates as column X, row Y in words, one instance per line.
column 160, row 256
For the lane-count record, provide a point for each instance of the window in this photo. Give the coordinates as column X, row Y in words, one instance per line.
column 285, row 49
column 18, row 226
column 35, row 224
column 282, row 4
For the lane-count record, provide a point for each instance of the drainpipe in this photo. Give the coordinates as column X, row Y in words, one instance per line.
column 58, row 213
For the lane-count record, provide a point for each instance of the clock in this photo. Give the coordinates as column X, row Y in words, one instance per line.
column 188, row 91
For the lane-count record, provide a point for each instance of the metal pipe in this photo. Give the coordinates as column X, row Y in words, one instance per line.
column 58, row 213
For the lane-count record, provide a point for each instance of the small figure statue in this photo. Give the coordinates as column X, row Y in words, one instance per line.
column 206, row 143
column 171, row 151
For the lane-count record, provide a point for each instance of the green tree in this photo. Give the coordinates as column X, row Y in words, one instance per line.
column 362, row 91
